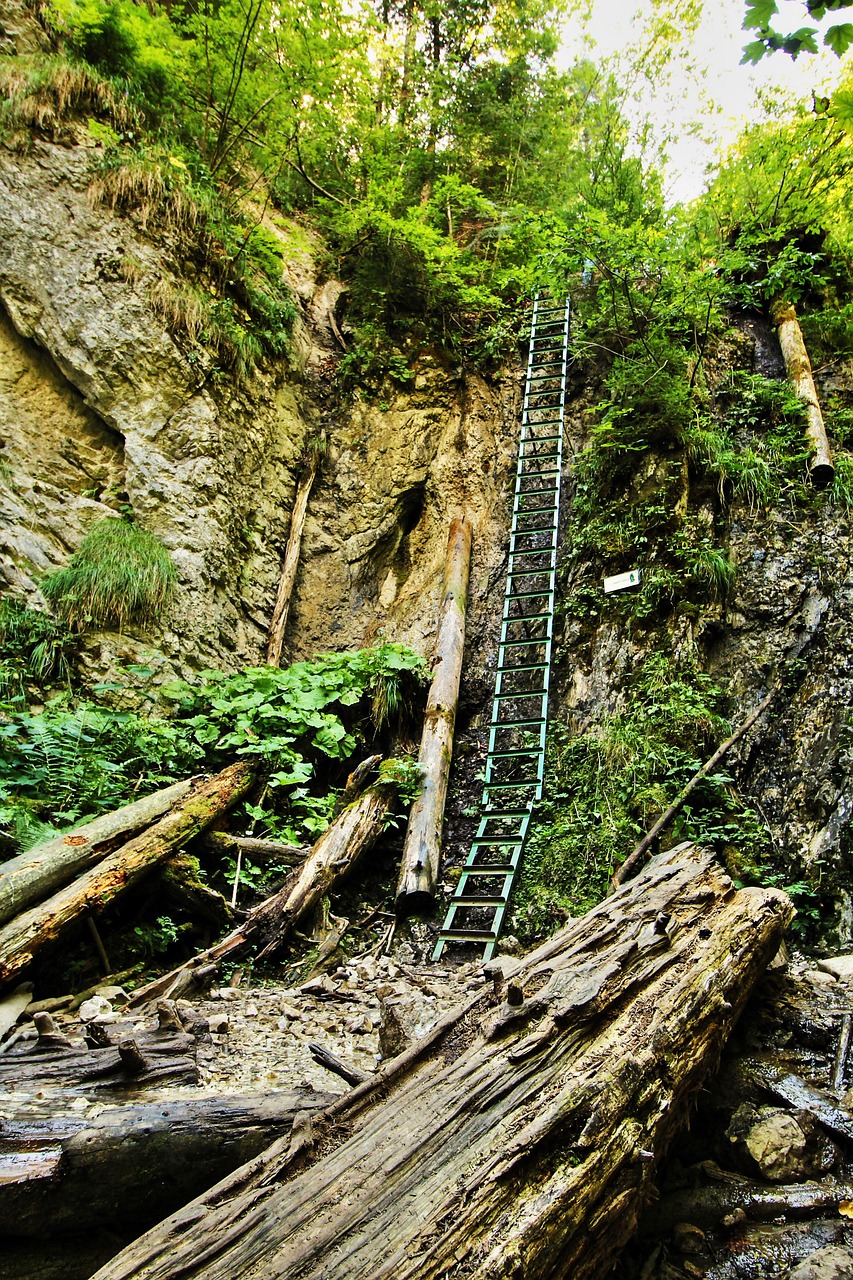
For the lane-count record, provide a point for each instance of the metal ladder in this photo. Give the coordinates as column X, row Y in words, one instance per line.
column 515, row 760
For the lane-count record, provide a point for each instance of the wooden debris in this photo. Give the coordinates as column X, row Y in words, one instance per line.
column 33, row 875
column 290, row 564
column 329, row 1060
column 126, row 1166
column 422, row 850
column 529, row 1150
column 256, row 850
column 799, row 370
column 22, row 938
column 665, row 820
column 138, row 1061
column 270, row 924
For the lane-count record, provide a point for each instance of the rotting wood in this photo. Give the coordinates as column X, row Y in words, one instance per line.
column 290, row 564
column 165, row 1058
column 270, row 924
column 32, row 876
column 352, row 1075
column 799, row 369
column 528, row 1143
column 422, row 849
column 665, row 820
column 24, row 936
column 710, row 1205
column 254, row 849
column 130, row 1164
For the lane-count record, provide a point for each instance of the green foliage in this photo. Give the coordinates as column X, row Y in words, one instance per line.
column 120, row 574
column 70, row 762
column 606, row 786
column 837, row 36
column 155, row 939
column 35, row 649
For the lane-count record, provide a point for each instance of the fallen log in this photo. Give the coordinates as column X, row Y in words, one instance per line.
column 23, row 937
column 422, row 849
column 33, row 875
column 737, row 1197
column 512, row 1139
column 271, row 923
column 120, row 1067
column 799, row 369
column 255, row 850
column 127, row 1166
column 290, row 564
column 666, row 819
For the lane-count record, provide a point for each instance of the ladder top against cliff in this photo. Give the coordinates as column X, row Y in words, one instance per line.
column 515, row 758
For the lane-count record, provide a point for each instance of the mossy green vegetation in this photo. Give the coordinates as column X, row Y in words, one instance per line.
column 120, row 574
column 304, row 724
column 607, row 784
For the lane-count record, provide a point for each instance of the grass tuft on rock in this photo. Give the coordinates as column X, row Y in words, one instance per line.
column 120, row 574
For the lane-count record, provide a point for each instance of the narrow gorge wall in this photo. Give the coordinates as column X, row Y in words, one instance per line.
column 101, row 406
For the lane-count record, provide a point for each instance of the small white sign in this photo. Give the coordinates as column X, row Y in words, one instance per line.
column 619, row 581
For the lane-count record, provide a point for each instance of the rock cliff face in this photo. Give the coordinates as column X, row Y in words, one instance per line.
column 100, row 406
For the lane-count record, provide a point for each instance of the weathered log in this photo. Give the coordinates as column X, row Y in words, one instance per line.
column 331, row 1061
column 798, row 366
column 181, row 887
column 129, row 1165
column 711, row 1205
column 422, row 849
column 165, row 1058
column 33, row 875
column 255, row 850
column 509, row 1140
column 335, row 853
column 665, row 820
column 22, row 938
column 290, row 564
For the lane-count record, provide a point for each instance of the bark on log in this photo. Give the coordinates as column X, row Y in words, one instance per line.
column 510, row 1140
column 290, row 564
column 665, row 820
column 707, row 1206
column 333, row 856
column 22, row 938
column 422, row 849
column 799, row 369
column 255, row 850
column 33, row 875
column 130, row 1165
column 168, row 1058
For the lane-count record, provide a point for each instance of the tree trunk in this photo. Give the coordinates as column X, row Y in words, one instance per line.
column 290, row 564
column 130, row 1165
column 422, row 850
column 799, row 369
column 31, row 876
column 22, row 938
column 334, row 854
column 512, row 1140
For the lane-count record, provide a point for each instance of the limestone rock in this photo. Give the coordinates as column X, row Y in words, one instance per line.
column 832, row 1263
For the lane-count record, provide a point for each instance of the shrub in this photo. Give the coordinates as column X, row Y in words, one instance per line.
column 120, row 574
column 34, row 649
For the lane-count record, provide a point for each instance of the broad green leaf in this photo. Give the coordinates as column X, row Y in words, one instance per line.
column 839, row 38
column 759, row 13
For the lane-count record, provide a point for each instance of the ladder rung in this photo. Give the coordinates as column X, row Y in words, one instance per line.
column 489, row 869
column 527, row 666
column 524, row 595
column 467, row 935
column 481, row 900
column 510, row 755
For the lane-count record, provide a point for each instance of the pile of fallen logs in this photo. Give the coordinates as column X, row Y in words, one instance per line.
column 520, row 1135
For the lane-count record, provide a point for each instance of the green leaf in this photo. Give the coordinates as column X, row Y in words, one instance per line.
column 759, row 13
column 839, row 38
